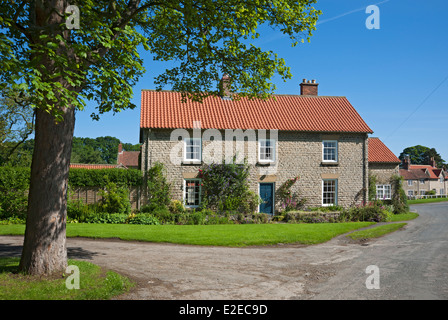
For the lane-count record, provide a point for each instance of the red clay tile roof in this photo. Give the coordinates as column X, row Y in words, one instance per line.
column 379, row 152
column 413, row 174
column 128, row 158
column 422, row 167
column 94, row 166
column 164, row 109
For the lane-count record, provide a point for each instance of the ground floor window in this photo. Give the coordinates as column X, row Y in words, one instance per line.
column 410, row 193
column 192, row 192
column 383, row 192
column 330, row 192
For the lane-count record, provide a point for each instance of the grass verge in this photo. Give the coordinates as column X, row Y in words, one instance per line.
column 376, row 231
column 404, row 216
column 95, row 284
column 429, row 200
column 237, row 235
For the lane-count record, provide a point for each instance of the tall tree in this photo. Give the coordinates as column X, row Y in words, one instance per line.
column 43, row 52
column 422, row 155
column 16, row 122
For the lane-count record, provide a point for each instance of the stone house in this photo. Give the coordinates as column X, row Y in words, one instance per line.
column 420, row 179
column 383, row 164
column 321, row 139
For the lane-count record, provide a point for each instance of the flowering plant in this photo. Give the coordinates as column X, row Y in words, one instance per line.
column 289, row 200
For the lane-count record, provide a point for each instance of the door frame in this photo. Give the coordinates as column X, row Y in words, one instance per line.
column 273, row 196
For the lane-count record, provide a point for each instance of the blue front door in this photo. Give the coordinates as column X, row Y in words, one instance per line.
column 267, row 198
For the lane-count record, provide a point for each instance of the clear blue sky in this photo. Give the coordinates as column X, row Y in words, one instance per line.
column 393, row 76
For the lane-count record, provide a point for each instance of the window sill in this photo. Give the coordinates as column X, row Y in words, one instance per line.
column 191, row 162
column 330, row 163
column 265, row 163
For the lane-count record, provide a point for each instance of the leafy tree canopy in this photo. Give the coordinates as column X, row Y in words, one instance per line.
column 422, row 155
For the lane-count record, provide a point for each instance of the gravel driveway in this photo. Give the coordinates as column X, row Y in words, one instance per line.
column 412, row 264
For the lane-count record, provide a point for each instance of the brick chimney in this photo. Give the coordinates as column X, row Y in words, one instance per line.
column 432, row 162
column 225, row 87
column 407, row 162
column 308, row 88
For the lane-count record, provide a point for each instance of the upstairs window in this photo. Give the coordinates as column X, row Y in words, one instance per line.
column 266, row 151
column 329, row 151
column 192, row 149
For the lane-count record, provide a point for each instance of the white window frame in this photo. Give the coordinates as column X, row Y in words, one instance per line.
column 422, row 192
column 410, row 183
column 185, row 193
column 382, row 188
column 422, row 181
column 410, row 193
column 187, row 145
column 335, row 193
column 260, row 152
column 336, row 147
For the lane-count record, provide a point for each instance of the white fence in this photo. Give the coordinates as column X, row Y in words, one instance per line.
column 427, row 196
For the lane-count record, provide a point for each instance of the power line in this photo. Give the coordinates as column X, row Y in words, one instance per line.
column 419, row 106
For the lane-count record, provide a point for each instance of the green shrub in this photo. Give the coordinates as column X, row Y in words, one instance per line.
column 14, row 184
column 144, row 219
column 176, row 206
column 114, row 199
column 399, row 198
column 158, row 186
column 104, row 217
column 100, row 177
column 164, row 215
column 225, row 187
column 372, row 213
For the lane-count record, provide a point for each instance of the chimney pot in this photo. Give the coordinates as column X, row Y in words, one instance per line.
column 308, row 88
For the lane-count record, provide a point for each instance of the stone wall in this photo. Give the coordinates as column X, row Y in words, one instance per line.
column 383, row 171
column 298, row 154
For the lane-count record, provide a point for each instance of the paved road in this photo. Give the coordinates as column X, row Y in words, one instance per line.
column 412, row 264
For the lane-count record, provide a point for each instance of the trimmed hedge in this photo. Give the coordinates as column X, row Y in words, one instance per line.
column 15, row 181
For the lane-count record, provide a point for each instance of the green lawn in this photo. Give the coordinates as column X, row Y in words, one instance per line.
column 376, row 232
column 429, row 200
column 214, row 235
column 94, row 283
column 404, row 217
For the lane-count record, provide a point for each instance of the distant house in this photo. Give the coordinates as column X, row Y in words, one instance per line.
column 129, row 159
column 422, row 179
column 321, row 139
column 383, row 164
column 125, row 160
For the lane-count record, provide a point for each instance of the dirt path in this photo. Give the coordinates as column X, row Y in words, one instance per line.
column 167, row 271
column 413, row 264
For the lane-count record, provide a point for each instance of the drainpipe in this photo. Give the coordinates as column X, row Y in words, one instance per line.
column 365, row 169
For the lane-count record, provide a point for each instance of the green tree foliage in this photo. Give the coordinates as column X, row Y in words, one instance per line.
column 62, row 68
column 399, row 198
column 159, row 190
column 422, row 155
column 225, row 187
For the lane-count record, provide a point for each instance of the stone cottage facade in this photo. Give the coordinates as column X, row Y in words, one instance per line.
column 383, row 165
column 421, row 179
column 320, row 139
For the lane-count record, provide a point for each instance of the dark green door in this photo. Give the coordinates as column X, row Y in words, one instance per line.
column 267, row 198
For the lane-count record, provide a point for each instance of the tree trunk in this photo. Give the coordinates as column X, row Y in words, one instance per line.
column 44, row 249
